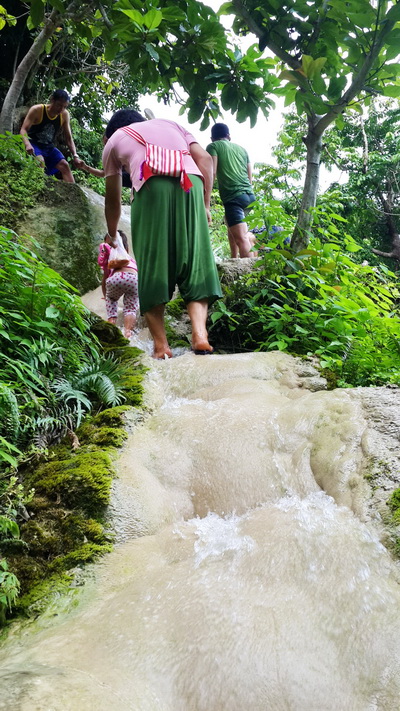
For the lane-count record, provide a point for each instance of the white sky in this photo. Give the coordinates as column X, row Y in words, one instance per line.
column 258, row 141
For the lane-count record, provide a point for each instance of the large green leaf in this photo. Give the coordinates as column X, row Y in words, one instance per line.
column 392, row 90
column 37, row 12
column 152, row 19
column 134, row 15
column 230, row 97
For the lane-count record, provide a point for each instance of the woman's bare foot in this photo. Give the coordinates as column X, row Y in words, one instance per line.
column 161, row 353
column 201, row 345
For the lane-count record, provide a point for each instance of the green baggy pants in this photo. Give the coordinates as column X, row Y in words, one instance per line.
column 171, row 243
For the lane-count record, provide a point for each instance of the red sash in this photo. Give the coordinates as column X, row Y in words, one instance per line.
column 161, row 161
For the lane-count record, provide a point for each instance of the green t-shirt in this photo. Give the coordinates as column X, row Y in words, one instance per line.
column 232, row 173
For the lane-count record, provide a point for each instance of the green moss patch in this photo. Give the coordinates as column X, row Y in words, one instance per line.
column 22, row 181
column 102, row 436
column 43, row 594
column 174, row 339
column 394, row 505
column 86, row 553
column 65, row 528
column 176, row 307
column 83, row 481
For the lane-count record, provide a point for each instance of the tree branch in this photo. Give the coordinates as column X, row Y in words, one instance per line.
column 358, row 81
column 365, row 146
column 317, row 29
column 254, row 27
column 104, row 15
column 391, row 255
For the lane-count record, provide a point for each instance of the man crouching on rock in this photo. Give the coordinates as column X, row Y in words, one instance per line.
column 171, row 185
column 39, row 130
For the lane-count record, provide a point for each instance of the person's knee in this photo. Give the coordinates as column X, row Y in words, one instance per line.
column 63, row 166
column 64, row 169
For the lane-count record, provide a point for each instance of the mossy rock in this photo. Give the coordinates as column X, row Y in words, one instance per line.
column 112, row 417
column 103, row 437
column 38, row 598
column 29, row 571
column 40, row 539
column 176, row 308
column 76, row 530
column 175, row 340
column 73, row 489
column 107, row 333
column 64, row 225
column 394, row 505
column 133, row 389
column 81, row 482
column 106, row 429
column 87, row 553
column 22, row 181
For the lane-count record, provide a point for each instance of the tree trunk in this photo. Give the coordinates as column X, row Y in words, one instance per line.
column 387, row 204
column 301, row 234
column 23, row 69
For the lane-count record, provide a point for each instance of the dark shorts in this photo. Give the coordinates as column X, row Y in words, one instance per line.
column 51, row 155
column 235, row 210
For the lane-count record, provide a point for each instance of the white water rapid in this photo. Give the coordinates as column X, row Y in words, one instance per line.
column 249, row 575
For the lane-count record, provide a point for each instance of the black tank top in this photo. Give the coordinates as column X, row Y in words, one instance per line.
column 44, row 133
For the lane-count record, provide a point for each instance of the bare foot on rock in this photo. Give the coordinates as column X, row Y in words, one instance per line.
column 200, row 345
column 162, row 353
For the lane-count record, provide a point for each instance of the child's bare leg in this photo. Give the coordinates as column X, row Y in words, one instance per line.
column 129, row 324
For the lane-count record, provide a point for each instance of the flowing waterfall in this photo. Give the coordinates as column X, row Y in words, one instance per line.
column 249, row 575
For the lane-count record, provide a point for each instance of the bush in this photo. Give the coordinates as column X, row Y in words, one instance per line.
column 322, row 303
column 53, row 370
column 22, row 180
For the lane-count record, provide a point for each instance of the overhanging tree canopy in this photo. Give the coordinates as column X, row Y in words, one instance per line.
column 328, row 55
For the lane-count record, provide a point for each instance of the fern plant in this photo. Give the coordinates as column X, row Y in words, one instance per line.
column 102, row 379
column 9, row 414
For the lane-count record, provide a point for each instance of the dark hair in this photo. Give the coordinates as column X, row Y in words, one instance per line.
column 122, row 117
column 123, row 237
column 124, row 240
column 219, row 130
column 60, row 95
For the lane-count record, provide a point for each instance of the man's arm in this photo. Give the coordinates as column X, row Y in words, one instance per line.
column 249, row 172
column 31, row 118
column 66, row 127
column 204, row 162
column 112, row 203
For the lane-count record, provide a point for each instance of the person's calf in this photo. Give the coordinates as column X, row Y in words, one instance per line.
column 197, row 311
column 155, row 322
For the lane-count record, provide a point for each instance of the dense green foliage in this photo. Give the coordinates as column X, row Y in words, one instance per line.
column 22, row 180
column 72, row 58
column 54, row 370
column 319, row 302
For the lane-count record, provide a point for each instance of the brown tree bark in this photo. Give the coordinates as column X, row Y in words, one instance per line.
column 23, row 69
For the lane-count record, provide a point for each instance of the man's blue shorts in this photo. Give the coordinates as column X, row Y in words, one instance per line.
column 235, row 209
column 51, row 155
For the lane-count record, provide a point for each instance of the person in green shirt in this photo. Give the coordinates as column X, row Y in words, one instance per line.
column 232, row 169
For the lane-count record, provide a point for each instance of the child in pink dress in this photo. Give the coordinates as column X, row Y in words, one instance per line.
column 117, row 282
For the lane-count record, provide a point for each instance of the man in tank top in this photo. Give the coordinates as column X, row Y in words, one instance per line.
column 39, row 130
column 232, row 169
